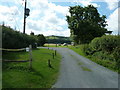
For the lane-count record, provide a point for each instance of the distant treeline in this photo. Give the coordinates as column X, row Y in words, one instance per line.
column 12, row 39
column 58, row 39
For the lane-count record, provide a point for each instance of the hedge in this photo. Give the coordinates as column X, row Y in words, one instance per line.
column 12, row 39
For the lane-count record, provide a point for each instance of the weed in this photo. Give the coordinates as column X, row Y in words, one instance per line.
column 86, row 69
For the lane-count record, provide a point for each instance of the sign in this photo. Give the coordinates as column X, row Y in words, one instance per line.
column 27, row 49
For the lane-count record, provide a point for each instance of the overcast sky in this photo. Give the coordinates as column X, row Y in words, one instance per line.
column 48, row 16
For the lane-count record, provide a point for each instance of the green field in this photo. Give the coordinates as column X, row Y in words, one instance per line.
column 58, row 39
column 54, row 45
column 18, row 75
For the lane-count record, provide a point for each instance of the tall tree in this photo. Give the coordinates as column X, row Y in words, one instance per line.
column 32, row 33
column 41, row 40
column 85, row 23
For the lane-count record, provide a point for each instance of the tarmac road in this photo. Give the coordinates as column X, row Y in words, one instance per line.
column 78, row 72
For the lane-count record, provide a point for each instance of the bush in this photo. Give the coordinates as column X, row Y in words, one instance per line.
column 116, row 54
column 13, row 39
column 107, row 49
column 105, row 43
column 95, row 44
column 85, row 49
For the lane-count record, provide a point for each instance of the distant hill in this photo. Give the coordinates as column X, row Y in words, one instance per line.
column 57, row 39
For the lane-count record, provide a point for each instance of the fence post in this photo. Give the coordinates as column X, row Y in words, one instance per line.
column 55, row 52
column 30, row 56
column 53, row 55
column 49, row 63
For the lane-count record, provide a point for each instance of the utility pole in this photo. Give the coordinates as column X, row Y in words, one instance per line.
column 24, row 17
column 26, row 14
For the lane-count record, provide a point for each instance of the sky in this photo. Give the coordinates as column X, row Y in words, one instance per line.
column 48, row 17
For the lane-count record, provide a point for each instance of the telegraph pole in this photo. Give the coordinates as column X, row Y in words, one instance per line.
column 24, row 17
column 26, row 14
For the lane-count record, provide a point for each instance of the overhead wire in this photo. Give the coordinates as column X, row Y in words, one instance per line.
column 15, row 13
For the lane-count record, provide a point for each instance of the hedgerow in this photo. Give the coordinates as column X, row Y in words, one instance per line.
column 105, row 50
column 12, row 39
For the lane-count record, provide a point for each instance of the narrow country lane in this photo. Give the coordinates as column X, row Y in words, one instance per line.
column 79, row 72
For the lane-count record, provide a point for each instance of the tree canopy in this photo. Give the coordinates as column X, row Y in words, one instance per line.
column 41, row 39
column 85, row 23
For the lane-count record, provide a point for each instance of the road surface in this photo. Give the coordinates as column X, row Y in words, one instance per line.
column 78, row 72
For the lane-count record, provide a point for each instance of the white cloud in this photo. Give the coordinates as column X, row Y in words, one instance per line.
column 59, row 33
column 47, row 18
column 7, row 15
column 112, row 4
column 87, row 2
column 113, row 22
column 59, row 9
column 35, row 13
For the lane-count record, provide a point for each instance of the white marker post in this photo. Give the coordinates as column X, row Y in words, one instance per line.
column 27, row 49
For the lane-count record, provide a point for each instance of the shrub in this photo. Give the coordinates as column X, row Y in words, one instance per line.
column 105, row 51
column 13, row 39
column 105, row 43
column 116, row 54
column 86, row 49
column 95, row 44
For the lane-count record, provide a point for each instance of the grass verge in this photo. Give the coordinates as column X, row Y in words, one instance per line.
column 17, row 75
column 106, row 63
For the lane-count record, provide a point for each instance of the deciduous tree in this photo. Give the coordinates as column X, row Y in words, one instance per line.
column 85, row 23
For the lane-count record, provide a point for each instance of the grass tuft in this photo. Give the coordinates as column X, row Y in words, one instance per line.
column 86, row 69
column 80, row 63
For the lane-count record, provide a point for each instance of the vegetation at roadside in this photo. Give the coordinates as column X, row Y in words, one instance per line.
column 103, row 50
column 12, row 39
column 88, row 31
column 18, row 75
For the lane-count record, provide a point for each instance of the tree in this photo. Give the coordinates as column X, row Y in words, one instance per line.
column 3, row 24
column 41, row 40
column 32, row 33
column 85, row 23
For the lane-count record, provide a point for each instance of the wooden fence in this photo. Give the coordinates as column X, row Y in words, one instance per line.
column 27, row 49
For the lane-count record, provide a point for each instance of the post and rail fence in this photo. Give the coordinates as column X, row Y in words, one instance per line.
column 27, row 50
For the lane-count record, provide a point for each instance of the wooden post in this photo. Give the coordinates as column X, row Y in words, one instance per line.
column 53, row 55
column 55, row 52
column 49, row 63
column 30, row 56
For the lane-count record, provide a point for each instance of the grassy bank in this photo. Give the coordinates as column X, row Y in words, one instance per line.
column 17, row 75
column 106, row 63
